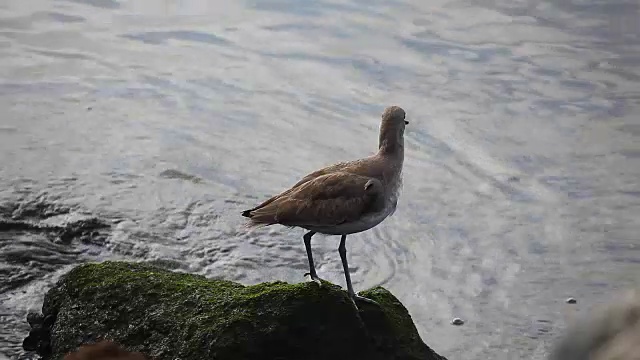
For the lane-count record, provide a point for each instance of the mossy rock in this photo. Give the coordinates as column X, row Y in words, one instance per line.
column 170, row 315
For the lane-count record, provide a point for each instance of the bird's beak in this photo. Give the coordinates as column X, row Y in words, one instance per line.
column 406, row 122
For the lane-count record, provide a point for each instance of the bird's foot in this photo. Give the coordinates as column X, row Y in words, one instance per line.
column 314, row 278
column 355, row 297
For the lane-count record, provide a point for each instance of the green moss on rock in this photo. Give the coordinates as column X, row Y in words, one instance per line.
column 170, row 315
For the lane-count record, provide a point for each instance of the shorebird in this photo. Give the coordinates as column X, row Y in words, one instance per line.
column 343, row 198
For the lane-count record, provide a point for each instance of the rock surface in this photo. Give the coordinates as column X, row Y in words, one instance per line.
column 169, row 315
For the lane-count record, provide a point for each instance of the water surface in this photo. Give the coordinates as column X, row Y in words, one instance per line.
column 165, row 119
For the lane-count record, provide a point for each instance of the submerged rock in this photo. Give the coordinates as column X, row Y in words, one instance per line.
column 170, row 315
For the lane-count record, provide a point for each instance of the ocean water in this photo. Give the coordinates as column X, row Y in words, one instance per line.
column 162, row 120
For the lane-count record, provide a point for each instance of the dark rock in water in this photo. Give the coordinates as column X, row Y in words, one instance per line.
column 170, row 315
column 40, row 334
column 48, row 321
column 34, row 319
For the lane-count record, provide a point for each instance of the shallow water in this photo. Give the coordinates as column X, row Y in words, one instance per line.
column 165, row 119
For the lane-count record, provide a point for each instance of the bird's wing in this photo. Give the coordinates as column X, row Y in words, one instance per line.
column 326, row 200
column 324, row 171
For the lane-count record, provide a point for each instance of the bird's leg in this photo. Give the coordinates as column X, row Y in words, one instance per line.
column 343, row 256
column 312, row 269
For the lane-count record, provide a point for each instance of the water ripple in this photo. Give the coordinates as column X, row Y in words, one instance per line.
column 520, row 165
column 161, row 37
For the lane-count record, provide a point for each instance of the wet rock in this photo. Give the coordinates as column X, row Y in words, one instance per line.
column 39, row 338
column 169, row 315
column 48, row 321
column 30, row 343
column 34, row 319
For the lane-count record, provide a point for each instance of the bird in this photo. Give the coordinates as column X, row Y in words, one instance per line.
column 343, row 198
column 103, row 350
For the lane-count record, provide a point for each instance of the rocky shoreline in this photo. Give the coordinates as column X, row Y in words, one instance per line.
column 171, row 315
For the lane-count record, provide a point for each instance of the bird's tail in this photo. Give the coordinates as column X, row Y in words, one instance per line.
column 256, row 221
